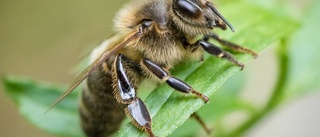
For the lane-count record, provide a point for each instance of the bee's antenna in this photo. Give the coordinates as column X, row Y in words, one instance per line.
column 224, row 20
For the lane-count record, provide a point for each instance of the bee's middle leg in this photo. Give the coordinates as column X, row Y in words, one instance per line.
column 125, row 92
column 173, row 82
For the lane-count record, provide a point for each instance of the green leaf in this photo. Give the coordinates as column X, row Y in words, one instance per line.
column 256, row 29
column 35, row 98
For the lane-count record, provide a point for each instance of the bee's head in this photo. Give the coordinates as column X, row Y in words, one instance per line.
column 197, row 16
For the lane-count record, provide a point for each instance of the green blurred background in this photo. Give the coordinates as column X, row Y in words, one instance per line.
column 47, row 39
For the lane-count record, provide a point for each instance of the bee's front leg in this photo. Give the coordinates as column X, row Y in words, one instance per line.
column 232, row 45
column 125, row 92
column 211, row 49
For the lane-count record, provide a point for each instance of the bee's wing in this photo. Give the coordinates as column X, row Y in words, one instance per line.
column 105, row 55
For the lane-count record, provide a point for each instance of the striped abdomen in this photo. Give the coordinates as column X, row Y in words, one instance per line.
column 100, row 113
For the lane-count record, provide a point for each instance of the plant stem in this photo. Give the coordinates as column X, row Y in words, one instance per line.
column 277, row 94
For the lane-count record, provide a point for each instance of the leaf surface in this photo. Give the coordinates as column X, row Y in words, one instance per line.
column 35, row 98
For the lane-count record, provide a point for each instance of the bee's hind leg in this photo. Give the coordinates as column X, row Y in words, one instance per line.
column 201, row 122
column 125, row 92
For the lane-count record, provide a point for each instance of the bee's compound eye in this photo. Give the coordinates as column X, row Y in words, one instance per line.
column 187, row 8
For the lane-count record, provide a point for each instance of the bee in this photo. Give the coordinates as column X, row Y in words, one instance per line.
column 152, row 36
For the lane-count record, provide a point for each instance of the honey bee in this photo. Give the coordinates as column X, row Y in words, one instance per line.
column 152, row 36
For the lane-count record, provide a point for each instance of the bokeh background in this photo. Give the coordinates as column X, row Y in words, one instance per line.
column 45, row 40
